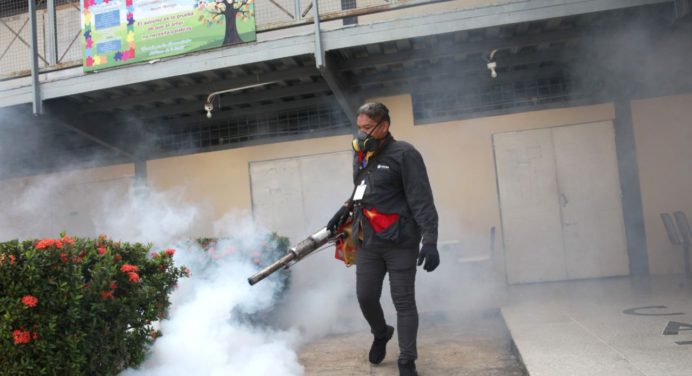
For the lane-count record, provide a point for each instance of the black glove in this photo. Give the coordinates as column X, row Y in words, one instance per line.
column 432, row 258
column 339, row 218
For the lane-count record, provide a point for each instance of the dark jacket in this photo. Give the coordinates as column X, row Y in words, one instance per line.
column 397, row 184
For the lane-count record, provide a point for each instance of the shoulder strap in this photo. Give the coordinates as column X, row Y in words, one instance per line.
column 367, row 168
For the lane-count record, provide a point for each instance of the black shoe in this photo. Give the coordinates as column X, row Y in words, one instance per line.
column 379, row 347
column 407, row 368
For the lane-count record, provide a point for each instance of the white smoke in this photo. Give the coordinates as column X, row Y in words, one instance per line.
column 202, row 336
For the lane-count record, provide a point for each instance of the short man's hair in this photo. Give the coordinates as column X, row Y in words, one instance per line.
column 375, row 111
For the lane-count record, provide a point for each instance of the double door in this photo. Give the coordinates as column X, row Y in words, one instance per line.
column 560, row 203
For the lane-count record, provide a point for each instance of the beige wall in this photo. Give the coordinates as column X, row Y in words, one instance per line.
column 663, row 137
column 45, row 205
column 221, row 179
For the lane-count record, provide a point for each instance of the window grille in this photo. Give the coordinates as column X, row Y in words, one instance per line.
column 253, row 129
column 496, row 99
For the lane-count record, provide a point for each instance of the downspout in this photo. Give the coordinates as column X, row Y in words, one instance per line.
column 38, row 105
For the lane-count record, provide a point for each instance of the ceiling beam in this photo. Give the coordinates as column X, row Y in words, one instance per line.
column 201, row 88
column 483, row 47
column 235, row 99
column 439, row 84
column 66, row 116
column 341, row 91
column 274, row 108
column 468, row 67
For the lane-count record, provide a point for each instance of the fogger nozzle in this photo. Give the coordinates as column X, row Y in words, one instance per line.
column 294, row 254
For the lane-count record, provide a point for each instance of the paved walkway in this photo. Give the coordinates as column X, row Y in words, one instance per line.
column 611, row 327
column 461, row 344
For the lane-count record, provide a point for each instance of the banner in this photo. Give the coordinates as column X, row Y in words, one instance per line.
column 119, row 32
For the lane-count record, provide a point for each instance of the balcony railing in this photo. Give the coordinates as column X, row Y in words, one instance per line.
column 59, row 26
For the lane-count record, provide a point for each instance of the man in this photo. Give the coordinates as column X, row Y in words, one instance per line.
column 392, row 210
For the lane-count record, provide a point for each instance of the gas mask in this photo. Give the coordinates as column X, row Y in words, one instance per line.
column 364, row 142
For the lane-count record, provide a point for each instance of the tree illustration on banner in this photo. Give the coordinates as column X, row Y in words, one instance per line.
column 229, row 11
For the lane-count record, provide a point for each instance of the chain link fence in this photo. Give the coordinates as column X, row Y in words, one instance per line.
column 15, row 38
column 60, row 46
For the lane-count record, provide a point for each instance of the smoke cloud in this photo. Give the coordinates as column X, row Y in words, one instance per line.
column 215, row 323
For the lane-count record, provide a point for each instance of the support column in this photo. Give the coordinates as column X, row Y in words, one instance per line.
column 38, row 104
column 51, row 33
column 633, row 212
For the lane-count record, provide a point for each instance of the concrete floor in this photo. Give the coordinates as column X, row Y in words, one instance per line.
column 624, row 326
column 609, row 327
column 463, row 344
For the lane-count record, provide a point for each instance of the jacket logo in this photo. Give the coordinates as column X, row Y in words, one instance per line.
column 382, row 166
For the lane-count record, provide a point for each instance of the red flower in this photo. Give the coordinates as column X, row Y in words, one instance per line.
column 68, row 240
column 102, row 251
column 21, row 336
column 129, row 268
column 45, row 243
column 134, row 277
column 117, row 258
column 114, row 286
column 30, row 301
column 107, row 295
column 170, row 252
column 63, row 257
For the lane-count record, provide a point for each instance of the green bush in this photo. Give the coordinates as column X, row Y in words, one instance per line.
column 73, row 306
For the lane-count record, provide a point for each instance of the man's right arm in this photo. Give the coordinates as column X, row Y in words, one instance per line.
column 340, row 216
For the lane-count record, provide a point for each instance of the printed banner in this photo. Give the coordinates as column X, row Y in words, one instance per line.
column 119, row 32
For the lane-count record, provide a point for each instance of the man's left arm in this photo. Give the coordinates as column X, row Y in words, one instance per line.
column 420, row 200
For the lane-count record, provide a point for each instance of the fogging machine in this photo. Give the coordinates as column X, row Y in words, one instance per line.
column 345, row 250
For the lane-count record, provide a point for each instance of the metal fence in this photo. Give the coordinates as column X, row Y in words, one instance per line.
column 57, row 39
column 497, row 99
column 59, row 44
column 286, row 125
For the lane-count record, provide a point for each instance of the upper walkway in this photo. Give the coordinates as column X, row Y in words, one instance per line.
column 378, row 22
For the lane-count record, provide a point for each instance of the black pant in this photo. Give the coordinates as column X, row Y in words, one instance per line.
column 371, row 266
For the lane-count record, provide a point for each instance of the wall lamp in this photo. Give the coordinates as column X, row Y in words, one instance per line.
column 491, row 64
column 209, row 106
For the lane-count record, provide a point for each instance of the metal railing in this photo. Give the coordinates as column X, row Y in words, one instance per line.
column 59, row 27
